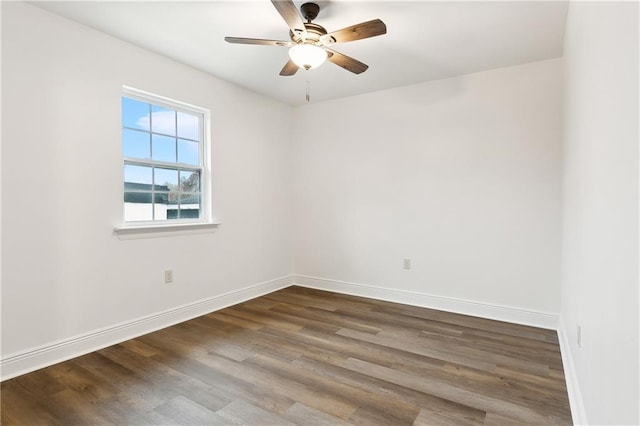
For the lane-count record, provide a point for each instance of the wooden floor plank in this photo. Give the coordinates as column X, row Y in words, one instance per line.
column 301, row 414
column 21, row 406
column 391, row 341
column 430, row 417
column 181, row 410
column 308, row 357
column 484, row 402
column 388, row 390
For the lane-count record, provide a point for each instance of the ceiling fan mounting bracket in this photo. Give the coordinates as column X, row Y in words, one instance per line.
column 309, row 11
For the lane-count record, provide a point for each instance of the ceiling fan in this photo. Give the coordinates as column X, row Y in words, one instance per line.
column 309, row 45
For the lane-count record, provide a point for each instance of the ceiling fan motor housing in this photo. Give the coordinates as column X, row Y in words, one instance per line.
column 314, row 34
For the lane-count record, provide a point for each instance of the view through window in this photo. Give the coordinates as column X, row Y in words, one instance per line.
column 163, row 153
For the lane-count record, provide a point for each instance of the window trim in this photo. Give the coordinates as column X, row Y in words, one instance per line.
column 156, row 227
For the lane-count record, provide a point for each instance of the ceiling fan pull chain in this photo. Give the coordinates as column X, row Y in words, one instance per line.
column 308, row 94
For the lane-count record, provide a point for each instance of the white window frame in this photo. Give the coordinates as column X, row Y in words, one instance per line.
column 154, row 228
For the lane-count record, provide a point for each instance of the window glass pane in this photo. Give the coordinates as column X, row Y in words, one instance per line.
column 137, row 178
column 135, row 114
column 188, row 152
column 163, row 120
column 137, row 197
column 188, row 126
column 189, row 181
column 172, row 212
column 192, row 199
column 189, row 206
column 189, row 213
column 166, row 180
column 136, row 144
column 162, row 211
column 138, row 206
column 163, row 148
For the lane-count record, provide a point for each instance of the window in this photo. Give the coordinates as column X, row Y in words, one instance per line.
column 166, row 176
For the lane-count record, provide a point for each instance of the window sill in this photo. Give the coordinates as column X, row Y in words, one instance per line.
column 130, row 232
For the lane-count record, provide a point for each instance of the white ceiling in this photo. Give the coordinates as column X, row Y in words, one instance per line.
column 425, row 40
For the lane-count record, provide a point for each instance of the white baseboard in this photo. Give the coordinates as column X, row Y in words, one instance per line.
column 578, row 412
column 449, row 304
column 32, row 359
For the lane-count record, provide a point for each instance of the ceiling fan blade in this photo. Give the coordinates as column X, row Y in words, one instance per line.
column 260, row 41
column 360, row 31
column 289, row 13
column 346, row 62
column 290, row 68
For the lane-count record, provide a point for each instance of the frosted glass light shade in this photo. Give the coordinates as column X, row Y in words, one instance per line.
column 307, row 56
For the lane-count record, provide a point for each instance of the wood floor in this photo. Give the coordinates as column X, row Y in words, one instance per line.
column 307, row 357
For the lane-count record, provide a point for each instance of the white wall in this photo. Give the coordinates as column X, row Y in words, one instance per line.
column 65, row 272
column 460, row 175
column 600, row 237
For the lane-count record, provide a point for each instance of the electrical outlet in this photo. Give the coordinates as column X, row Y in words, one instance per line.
column 579, row 336
column 168, row 276
column 407, row 264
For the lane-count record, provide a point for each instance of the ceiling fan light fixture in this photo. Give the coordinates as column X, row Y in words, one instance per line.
column 307, row 56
